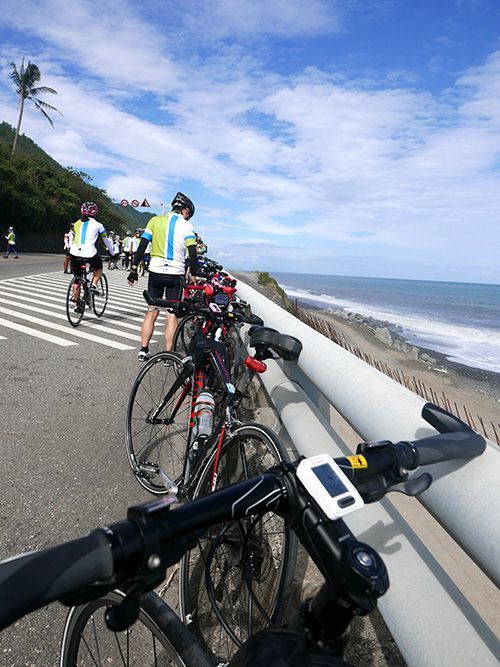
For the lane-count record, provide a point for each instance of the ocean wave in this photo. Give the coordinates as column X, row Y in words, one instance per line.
column 470, row 346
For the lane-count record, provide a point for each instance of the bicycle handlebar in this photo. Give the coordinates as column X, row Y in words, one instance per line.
column 155, row 537
column 33, row 580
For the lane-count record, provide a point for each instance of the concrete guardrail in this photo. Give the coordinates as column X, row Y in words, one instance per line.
column 430, row 619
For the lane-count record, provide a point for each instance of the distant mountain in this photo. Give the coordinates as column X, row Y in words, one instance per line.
column 135, row 219
column 39, row 197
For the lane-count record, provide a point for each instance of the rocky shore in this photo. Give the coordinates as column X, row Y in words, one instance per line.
column 472, row 393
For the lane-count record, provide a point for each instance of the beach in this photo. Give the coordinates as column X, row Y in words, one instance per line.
column 471, row 392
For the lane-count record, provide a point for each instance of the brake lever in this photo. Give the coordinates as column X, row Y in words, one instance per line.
column 414, row 486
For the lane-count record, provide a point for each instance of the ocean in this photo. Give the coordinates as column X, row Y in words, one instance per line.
column 459, row 320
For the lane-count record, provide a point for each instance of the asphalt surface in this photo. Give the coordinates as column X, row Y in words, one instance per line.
column 65, row 469
column 64, row 466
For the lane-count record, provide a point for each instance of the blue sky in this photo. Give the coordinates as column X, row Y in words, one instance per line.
column 358, row 137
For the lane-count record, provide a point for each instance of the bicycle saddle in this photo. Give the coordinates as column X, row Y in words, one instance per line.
column 200, row 343
column 285, row 346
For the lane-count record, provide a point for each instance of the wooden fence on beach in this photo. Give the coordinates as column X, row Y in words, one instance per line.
column 490, row 431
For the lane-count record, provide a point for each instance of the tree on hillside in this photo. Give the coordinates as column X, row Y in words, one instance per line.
column 25, row 80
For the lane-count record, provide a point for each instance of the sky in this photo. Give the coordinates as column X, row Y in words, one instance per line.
column 343, row 137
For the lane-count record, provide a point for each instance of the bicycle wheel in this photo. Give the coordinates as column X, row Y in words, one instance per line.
column 236, row 580
column 75, row 310
column 156, row 444
column 100, row 298
column 184, row 333
column 157, row 638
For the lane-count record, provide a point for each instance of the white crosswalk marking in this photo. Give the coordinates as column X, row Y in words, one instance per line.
column 61, row 327
column 32, row 304
column 37, row 334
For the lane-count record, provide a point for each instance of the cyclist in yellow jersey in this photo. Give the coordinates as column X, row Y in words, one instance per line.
column 170, row 235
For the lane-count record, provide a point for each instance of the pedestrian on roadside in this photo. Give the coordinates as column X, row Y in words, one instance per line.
column 170, row 235
column 11, row 244
column 68, row 240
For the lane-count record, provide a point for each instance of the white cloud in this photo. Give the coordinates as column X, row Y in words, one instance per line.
column 240, row 19
column 320, row 158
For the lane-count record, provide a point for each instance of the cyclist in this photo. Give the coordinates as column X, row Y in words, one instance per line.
column 170, row 234
column 68, row 240
column 126, row 250
column 83, row 248
column 134, row 242
column 113, row 259
column 11, row 244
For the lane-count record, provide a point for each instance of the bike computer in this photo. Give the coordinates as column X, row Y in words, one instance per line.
column 329, row 486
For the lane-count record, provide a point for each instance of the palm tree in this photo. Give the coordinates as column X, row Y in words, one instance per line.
column 25, row 80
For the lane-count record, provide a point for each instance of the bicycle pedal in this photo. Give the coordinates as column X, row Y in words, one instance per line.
column 145, row 468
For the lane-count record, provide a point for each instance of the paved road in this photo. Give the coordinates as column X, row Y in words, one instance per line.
column 64, row 468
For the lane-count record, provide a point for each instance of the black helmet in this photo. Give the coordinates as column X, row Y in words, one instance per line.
column 180, row 201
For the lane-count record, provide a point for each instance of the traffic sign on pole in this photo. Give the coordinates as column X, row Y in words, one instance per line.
column 145, row 203
column 124, row 202
column 134, row 203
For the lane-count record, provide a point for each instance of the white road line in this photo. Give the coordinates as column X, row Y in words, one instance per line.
column 23, row 289
column 58, row 316
column 111, row 309
column 120, row 295
column 66, row 329
column 62, row 287
column 34, row 332
column 19, row 293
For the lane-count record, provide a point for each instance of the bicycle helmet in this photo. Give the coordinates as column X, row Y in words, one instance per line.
column 89, row 208
column 180, row 201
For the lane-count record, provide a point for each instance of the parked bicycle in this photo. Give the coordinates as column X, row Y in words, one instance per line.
column 113, row 568
column 183, row 436
column 80, row 296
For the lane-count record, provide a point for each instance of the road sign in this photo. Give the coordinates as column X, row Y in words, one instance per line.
column 134, row 203
column 145, row 204
column 124, row 202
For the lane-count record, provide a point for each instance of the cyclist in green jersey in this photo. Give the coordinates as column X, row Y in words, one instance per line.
column 170, row 235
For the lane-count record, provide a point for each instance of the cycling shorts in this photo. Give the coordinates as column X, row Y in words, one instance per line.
column 94, row 262
column 163, row 283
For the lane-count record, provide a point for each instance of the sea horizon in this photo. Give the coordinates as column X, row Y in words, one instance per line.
column 343, row 275
column 460, row 320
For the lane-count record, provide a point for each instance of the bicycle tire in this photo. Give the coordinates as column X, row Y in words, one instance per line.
column 170, row 642
column 184, row 333
column 218, row 589
column 100, row 301
column 74, row 317
column 156, row 448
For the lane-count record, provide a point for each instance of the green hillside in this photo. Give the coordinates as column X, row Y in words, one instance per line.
column 39, row 197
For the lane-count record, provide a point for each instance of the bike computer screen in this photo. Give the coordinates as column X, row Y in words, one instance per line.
column 329, row 486
column 329, row 479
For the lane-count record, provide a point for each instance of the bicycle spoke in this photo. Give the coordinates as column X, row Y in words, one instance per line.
column 119, row 648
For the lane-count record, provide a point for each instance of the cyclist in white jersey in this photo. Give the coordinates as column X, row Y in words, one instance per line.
column 127, row 248
column 83, row 248
column 170, row 235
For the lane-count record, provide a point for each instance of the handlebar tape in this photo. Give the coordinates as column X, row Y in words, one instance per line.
column 251, row 319
column 33, row 580
column 448, row 446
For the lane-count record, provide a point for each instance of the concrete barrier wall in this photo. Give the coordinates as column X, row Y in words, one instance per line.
column 430, row 619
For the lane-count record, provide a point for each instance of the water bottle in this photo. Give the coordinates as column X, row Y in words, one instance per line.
column 204, row 414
